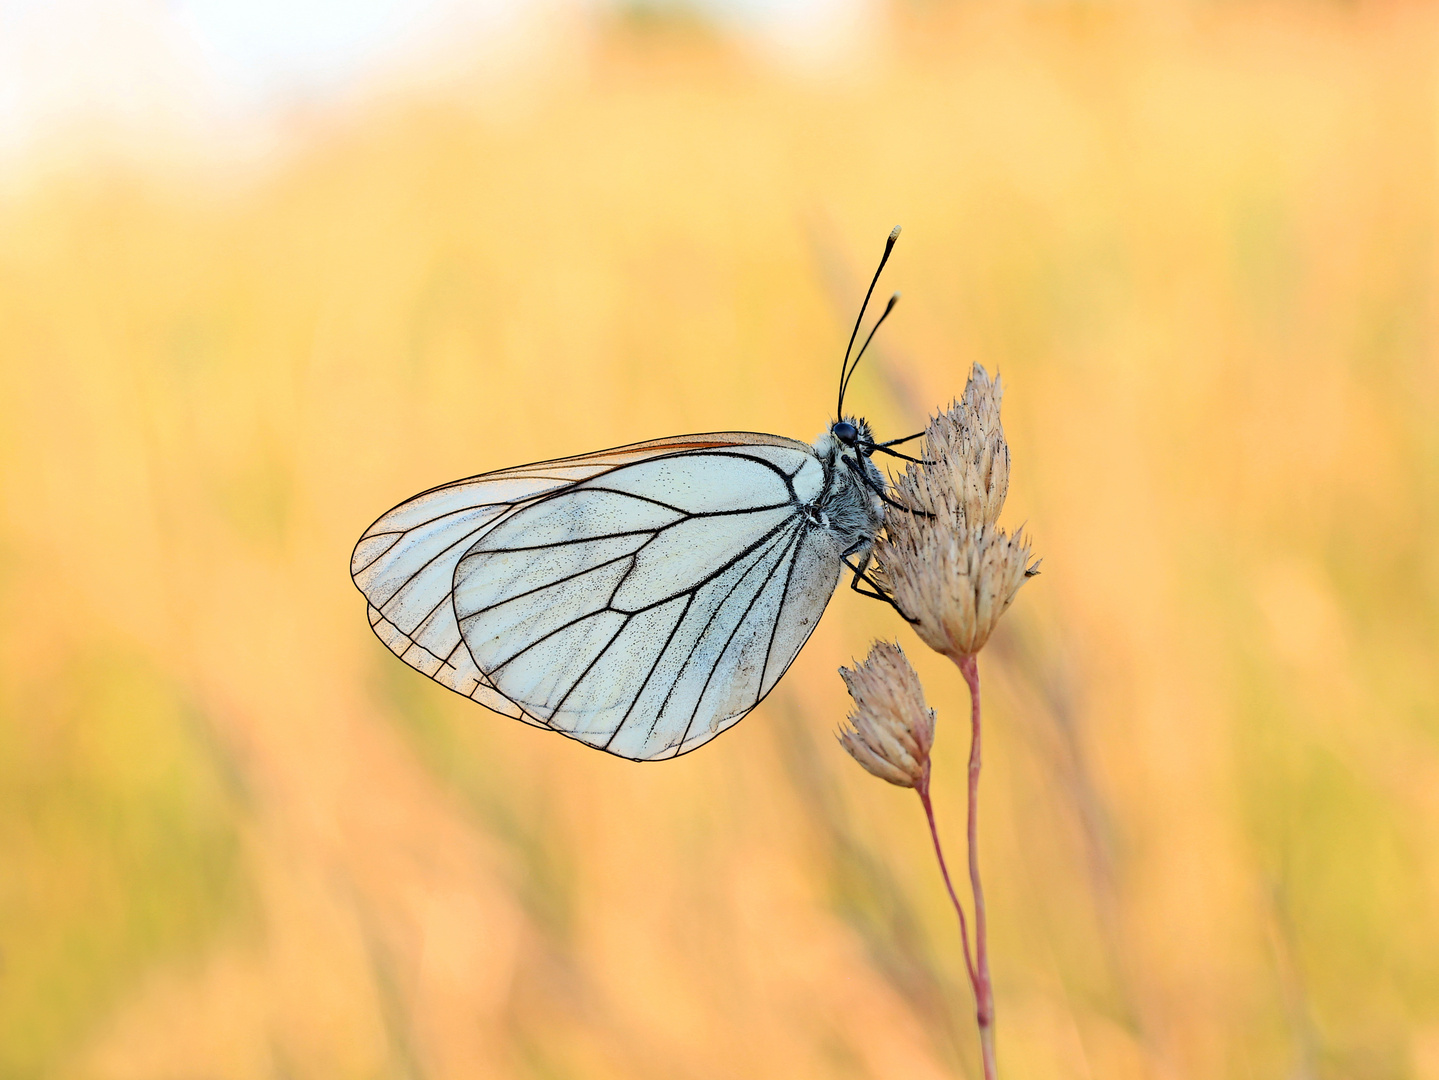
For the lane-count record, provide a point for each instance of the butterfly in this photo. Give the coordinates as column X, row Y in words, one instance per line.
column 641, row 599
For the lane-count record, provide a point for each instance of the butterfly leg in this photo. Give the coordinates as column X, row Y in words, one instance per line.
column 868, row 482
column 881, row 448
column 861, row 574
column 897, row 442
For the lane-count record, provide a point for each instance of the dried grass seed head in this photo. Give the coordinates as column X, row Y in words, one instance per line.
column 954, row 582
column 891, row 730
column 968, row 474
column 950, row 567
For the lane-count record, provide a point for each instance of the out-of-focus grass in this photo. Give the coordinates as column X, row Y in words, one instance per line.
column 120, row 845
column 240, row 840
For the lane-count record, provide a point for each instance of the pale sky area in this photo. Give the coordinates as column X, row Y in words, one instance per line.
column 195, row 68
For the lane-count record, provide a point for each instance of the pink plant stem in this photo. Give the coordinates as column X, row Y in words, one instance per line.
column 983, row 989
column 944, row 870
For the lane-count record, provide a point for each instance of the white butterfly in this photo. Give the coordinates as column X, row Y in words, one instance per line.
column 641, row 599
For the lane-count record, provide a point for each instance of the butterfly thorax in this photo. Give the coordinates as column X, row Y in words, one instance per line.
column 849, row 504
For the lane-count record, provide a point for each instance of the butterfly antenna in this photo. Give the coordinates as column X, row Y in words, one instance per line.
column 844, row 385
column 844, row 366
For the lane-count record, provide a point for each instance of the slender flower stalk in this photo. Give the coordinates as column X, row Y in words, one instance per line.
column 949, row 885
column 953, row 573
column 983, row 987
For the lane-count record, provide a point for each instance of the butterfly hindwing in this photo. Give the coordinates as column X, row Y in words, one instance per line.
column 405, row 563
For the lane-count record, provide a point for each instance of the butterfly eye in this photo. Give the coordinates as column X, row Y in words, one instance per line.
column 845, row 432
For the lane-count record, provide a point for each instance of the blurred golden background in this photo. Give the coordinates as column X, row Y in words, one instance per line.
column 239, row 839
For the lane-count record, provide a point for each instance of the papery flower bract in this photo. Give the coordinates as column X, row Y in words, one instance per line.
column 891, row 731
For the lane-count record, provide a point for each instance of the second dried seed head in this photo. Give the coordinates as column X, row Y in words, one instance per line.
column 891, row 731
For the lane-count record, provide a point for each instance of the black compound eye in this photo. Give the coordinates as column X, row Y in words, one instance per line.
column 845, row 432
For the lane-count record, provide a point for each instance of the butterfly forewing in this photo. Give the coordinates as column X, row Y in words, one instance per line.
column 650, row 637
column 641, row 599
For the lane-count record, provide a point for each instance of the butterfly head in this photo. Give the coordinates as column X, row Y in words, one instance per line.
column 853, row 436
column 848, row 445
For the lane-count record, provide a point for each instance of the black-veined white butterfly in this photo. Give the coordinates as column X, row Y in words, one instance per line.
column 642, row 599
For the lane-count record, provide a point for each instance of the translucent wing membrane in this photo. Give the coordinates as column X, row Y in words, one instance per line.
column 641, row 600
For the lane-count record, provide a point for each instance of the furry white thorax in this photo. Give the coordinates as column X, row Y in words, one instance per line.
column 849, row 508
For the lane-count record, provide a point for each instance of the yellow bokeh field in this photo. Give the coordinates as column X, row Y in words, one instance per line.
column 238, row 839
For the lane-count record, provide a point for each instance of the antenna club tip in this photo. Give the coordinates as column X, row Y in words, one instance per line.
column 894, row 234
